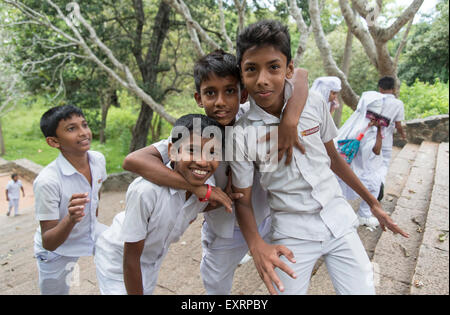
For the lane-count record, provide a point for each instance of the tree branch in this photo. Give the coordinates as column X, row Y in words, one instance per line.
column 303, row 29
column 330, row 65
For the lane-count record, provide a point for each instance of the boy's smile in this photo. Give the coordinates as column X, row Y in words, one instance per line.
column 264, row 70
column 220, row 97
column 195, row 171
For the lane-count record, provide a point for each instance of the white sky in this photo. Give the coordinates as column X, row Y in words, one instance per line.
column 428, row 6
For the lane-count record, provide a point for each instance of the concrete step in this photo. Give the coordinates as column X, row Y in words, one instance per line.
column 432, row 269
column 395, row 257
column 399, row 169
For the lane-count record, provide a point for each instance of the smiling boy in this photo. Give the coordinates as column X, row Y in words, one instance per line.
column 66, row 198
column 129, row 254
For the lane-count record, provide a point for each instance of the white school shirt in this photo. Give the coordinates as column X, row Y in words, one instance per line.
column 157, row 214
column 394, row 108
column 304, row 196
column 53, row 188
column 223, row 223
column 13, row 189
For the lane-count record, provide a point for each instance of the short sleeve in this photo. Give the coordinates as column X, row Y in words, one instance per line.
column 47, row 199
column 163, row 149
column 242, row 169
column 401, row 112
column 328, row 130
column 102, row 165
column 8, row 186
column 138, row 210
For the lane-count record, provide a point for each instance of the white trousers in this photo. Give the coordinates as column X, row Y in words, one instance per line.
column 347, row 262
column 13, row 203
column 221, row 257
column 56, row 273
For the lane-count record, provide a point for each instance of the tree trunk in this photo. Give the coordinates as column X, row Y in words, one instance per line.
column 346, row 62
column 149, row 71
column 141, row 129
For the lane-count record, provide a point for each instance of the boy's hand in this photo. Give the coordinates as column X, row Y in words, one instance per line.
column 266, row 258
column 386, row 221
column 217, row 196
column 76, row 207
column 287, row 138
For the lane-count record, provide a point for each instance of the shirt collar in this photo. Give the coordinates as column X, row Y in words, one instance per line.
column 66, row 167
column 257, row 113
column 173, row 191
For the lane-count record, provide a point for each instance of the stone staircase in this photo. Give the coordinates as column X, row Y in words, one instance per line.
column 416, row 196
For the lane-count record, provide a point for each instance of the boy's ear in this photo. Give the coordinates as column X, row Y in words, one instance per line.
column 198, row 99
column 172, row 151
column 169, row 151
column 244, row 95
column 290, row 70
column 53, row 142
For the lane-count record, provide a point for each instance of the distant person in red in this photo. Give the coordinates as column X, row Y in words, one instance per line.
column 13, row 194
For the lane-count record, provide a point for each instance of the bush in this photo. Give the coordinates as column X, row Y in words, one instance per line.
column 119, row 120
column 424, row 99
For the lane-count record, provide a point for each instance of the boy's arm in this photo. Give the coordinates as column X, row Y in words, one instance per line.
column 265, row 256
column 343, row 170
column 379, row 142
column 399, row 127
column 147, row 162
column 23, row 191
column 54, row 232
column 288, row 134
column 132, row 274
column 7, row 198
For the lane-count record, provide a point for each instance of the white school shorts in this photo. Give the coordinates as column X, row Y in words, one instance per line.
column 56, row 273
column 348, row 265
column 221, row 257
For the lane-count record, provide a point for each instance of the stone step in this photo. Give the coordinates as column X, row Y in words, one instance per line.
column 399, row 170
column 395, row 256
column 401, row 163
column 432, row 269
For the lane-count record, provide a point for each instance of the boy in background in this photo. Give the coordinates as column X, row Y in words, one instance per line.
column 66, row 198
column 13, row 189
column 396, row 110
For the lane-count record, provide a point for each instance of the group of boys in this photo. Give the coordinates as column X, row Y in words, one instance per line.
column 288, row 214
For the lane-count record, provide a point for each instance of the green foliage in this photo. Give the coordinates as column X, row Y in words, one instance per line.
column 424, row 99
column 426, row 55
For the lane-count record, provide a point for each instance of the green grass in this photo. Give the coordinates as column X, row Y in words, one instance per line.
column 23, row 139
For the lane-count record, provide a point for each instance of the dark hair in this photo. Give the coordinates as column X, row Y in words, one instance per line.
column 187, row 121
column 217, row 62
column 52, row 117
column 386, row 83
column 263, row 33
column 14, row 175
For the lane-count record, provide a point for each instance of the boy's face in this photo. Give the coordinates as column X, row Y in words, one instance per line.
column 196, row 170
column 15, row 178
column 220, row 97
column 264, row 70
column 72, row 135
